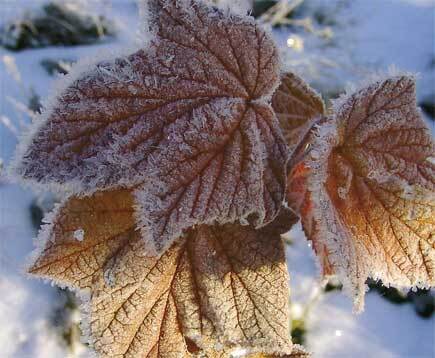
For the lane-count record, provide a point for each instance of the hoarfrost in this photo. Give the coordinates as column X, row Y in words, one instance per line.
column 197, row 134
column 366, row 196
column 79, row 234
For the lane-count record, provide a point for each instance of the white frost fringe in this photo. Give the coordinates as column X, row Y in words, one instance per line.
column 332, row 233
column 79, row 70
column 370, row 80
column 62, row 82
column 343, row 251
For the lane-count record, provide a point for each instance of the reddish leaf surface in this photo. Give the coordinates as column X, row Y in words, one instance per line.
column 363, row 183
column 384, row 137
column 189, row 117
column 297, row 106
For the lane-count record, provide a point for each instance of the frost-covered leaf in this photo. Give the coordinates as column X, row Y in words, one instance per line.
column 363, row 183
column 218, row 287
column 297, row 352
column 384, row 136
column 296, row 105
column 105, row 223
column 230, row 286
column 305, row 182
column 189, row 117
column 242, row 282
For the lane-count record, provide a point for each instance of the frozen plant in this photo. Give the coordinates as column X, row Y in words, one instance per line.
column 183, row 162
column 55, row 24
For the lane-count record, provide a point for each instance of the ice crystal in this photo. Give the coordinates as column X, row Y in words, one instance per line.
column 186, row 119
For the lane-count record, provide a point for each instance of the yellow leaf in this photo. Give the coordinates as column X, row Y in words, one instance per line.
column 105, row 221
column 217, row 287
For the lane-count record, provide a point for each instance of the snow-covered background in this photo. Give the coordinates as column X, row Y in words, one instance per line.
column 350, row 39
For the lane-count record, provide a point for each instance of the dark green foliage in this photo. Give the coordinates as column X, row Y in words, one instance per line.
column 261, row 6
column 36, row 214
column 298, row 331
column 333, row 287
column 56, row 24
column 52, row 67
column 322, row 18
column 39, row 207
column 35, row 104
column 423, row 300
column 282, row 14
column 389, row 293
column 428, row 106
column 64, row 321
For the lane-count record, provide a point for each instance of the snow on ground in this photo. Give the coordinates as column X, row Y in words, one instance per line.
column 368, row 35
column 383, row 330
column 25, row 305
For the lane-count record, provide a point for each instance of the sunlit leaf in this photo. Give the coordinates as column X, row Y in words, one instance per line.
column 297, row 352
column 383, row 135
column 363, row 183
column 188, row 117
column 297, row 106
column 106, row 223
column 218, row 287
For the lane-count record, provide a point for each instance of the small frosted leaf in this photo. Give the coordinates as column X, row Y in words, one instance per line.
column 189, row 118
column 296, row 105
column 105, row 219
column 306, row 194
column 363, row 183
column 384, row 137
column 216, row 288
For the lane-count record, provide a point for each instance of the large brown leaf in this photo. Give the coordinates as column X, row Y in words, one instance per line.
column 217, row 288
column 363, row 183
column 189, row 116
column 297, row 106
